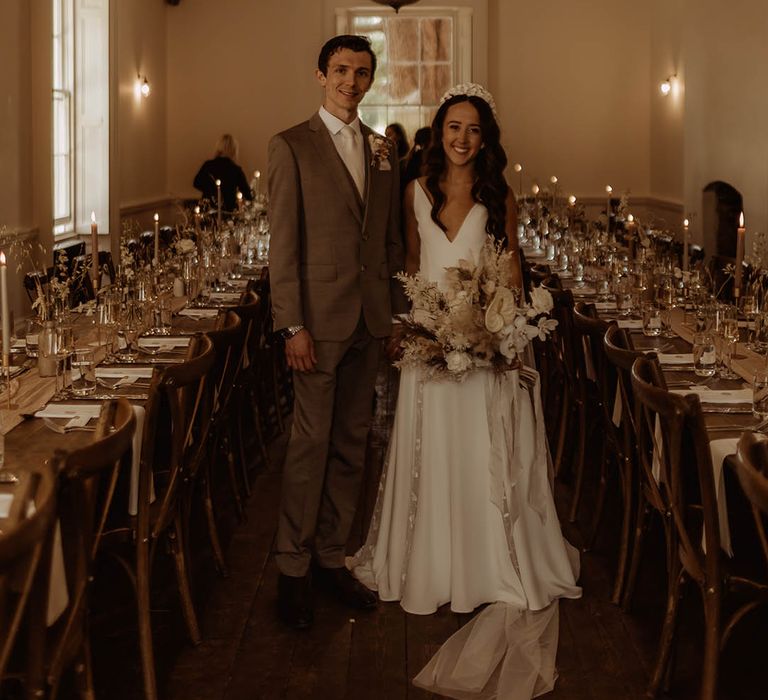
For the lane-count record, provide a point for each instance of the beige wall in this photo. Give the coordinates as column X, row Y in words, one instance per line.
column 246, row 69
column 571, row 81
column 725, row 55
column 15, row 114
column 667, row 113
column 574, row 104
column 142, row 123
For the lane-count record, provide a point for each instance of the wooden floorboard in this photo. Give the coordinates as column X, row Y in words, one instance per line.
column 248, row 654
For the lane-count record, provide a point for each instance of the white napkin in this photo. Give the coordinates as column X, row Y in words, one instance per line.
column 720, row 450
column 675, row 358
column 123, row 371
column 717, row 395
column 69, row 410
column 199, row 313
column 630, row 323
column 164, row 341
column 6, row 499
column 224, row 296
column 133, row 494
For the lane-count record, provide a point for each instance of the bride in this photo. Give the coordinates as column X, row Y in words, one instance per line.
column 446, row 526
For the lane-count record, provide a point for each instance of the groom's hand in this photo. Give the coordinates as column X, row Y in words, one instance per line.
column 300, row 352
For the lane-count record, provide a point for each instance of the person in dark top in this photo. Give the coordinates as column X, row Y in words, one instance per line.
column 395, row 132
column 223, row 167
column 415, row 158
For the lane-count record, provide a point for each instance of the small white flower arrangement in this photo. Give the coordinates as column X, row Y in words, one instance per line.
column 475, row 320
column 184, row 246
column 380, row 147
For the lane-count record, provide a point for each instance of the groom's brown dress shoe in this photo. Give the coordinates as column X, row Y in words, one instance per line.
column 345, row 587
column 294, row 601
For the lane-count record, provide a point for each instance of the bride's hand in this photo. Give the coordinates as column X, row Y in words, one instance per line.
column 393, row 348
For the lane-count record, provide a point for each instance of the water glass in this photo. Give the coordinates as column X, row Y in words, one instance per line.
column 162, row 316
column 83, row 372
column 32, row 336
column 652, row 320
column 760, row 394
column 704, row 354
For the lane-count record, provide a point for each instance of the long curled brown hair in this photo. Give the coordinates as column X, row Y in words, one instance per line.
column 490, row 187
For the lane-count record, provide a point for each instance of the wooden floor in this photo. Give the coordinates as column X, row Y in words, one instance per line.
column 247, row 654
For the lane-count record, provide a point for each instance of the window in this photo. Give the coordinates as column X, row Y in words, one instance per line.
column 80, row 106
column 419, row 58
column 63, row 83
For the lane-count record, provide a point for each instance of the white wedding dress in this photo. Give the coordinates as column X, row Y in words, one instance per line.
column 465, row 513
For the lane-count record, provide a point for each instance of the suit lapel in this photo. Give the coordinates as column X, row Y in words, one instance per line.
column 330, row 158
column 368, row 173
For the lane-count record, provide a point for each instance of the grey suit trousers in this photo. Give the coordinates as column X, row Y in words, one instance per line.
column 326, row 452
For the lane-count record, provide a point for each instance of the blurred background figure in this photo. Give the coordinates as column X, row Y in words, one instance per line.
column 415, row 159
column 395, row 132
column 223, row 166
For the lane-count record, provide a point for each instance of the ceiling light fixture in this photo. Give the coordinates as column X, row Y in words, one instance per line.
column 396, row 4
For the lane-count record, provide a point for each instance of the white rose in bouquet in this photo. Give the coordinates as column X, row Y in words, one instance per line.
column 458, row 361
column 541, row 301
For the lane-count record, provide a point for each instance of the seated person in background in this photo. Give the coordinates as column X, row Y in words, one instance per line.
column 395, row 132
column 415, row 159
column 223, row 167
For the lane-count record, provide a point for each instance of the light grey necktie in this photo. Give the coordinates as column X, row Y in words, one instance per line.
column 352, row 156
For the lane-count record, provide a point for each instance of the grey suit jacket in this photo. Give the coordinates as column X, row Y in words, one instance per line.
column 332, row 253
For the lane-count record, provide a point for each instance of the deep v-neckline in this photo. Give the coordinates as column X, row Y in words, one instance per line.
column 461, row 225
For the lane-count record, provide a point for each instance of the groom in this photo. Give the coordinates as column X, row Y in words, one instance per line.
column 335, row 244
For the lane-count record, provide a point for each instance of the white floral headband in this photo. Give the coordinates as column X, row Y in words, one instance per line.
column 471, row 90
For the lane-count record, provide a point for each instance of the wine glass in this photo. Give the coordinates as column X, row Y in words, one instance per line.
column 729, row 333
column 749, row 308
column 128, row 330
column 65, row 345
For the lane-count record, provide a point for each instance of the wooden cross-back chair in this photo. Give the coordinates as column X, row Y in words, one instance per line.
column 251, row 310
column 751, row 466
column 227, row 338
column 565, row 392
column 25, row 555
column 621, row 355
column 687, row 483
column 88, row 478
column 599, row 376
column 168, row 470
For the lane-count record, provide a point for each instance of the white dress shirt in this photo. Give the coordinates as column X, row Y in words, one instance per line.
column 353, row 155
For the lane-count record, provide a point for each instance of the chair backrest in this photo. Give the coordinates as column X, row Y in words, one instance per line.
column 24, row 563
column 227, row 338
column 591, row 330
column 751, row 467
column 88, row 480
column 251, row 311
column 564, row 334
column 183, row 391
column 672, row 434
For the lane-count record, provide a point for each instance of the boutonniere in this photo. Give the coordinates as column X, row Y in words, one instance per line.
column 379, row 152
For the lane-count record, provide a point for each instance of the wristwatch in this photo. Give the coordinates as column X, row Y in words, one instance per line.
column 290, row 331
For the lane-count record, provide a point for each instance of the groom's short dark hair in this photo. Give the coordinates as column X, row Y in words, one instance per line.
column 353, row 42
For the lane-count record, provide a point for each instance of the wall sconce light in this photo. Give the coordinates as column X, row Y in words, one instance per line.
column 141, row 87
column 666, row 85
